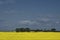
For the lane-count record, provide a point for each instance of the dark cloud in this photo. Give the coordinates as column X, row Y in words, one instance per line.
column 2, row 20
column 32, row 13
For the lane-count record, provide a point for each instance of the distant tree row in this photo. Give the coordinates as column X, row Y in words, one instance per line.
column 37, row 30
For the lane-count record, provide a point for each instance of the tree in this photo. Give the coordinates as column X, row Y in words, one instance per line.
column 27, row 29
column 17, row 30
column 46, row 30
column 22, row 29
column 53, row 29
column 37, row 30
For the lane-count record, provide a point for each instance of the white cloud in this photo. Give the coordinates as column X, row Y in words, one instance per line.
column 45, row 19
column 57, row 22
column 27, row 22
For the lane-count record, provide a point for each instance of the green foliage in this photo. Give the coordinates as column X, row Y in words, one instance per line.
column 37, row 30
column 53, row 29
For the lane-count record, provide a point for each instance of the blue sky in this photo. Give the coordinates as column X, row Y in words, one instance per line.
column 44, row 14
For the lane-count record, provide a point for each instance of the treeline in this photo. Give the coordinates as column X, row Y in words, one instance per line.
column 37, row 30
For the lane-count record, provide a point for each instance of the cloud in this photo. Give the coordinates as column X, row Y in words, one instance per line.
column 11, row 11
column 45, row 19
column 1, row 2
column 27, row 22
column 7, row 1
column 42, row 22
column 10, row 1
column 2, row 20
column 35, row 23
column 30, row 23
column 57, row 22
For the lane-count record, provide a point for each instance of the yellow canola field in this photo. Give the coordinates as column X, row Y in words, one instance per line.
column 29, row 36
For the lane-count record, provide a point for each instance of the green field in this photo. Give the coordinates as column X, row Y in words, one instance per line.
column 29, row 36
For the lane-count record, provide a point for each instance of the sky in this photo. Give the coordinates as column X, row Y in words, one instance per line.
column 34, row 14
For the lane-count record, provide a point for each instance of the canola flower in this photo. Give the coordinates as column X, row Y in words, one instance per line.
column 29, row 36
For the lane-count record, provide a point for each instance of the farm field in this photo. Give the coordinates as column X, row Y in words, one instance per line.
column 29, row 36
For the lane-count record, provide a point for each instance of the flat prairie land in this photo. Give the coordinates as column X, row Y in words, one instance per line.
column 29, row 35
